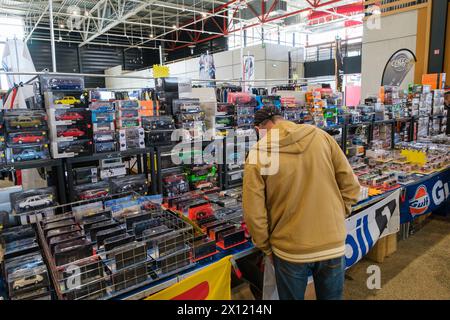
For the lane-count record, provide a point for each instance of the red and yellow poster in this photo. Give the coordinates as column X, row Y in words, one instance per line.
column 210, row 283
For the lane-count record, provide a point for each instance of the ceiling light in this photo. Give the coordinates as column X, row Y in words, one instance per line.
column 151, row 35
column 174, row 26
column 86, row 13
column 61, row 25
column 75, row 12
column 204, row 14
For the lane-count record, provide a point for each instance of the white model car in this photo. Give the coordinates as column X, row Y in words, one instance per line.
column 35, row 201
column 28, row 281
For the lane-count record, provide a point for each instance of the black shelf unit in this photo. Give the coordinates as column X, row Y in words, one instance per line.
column 57, row 176
column 165, row 149
column 144, row 157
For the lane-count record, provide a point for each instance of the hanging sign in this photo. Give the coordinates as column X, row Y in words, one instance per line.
column 160, row 71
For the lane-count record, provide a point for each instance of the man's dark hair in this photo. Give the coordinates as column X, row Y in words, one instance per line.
column 265, row 114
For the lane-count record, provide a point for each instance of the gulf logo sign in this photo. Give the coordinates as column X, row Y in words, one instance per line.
column 420, row 202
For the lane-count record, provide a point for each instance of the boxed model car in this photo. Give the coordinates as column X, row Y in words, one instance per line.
column 66, row 83
column 68, row 98
column 33, row 199
column 137, row 183
column 64, row 149
column 24, row 152
column 102, row 147
column 26, row 276
column 25, row 120
column 27, row 137
column 132, row 138
column 92, row 191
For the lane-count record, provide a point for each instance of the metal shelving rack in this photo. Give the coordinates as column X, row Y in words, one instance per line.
column 142, row 156
column 57, row 176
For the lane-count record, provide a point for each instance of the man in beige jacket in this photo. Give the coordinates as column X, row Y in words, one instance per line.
column 296, row 212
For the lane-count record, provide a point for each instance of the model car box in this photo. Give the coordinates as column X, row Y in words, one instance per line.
column 127, row 105
column 166, row 244
column 101, row 96
column 99, row 116
column 71, row 132
column 72, row 251
column 20, row 247
column 132, row 138
column 26, row 276
column 92, row 191
column 68, row 149
column 175, row 261
column 21, row 153
column 137, row 183
column 125, row 209
column 33, row 199
column 27, row 138
column 128, row 255
column 128, row 123
column 102, row 107
column 104, row 147
column 25, row 120
column 157, row 138
column 104, row 136
column 129, row 277
column 158, row 123
column 56, row 82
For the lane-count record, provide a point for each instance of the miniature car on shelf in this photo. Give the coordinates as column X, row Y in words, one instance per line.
column 72, row 132
column 28, row 154
column 25, row 122
column 76, row 148
column 67, row 100
column 70, row 116
column 28, row 281
column 35, row 201
column 27, row 138
column 92, row 194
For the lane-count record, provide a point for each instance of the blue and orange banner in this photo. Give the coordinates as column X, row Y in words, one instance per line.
column 210, row 283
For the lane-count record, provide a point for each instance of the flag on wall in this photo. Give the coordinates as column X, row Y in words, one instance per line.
column 397, row 67
column 210, row 283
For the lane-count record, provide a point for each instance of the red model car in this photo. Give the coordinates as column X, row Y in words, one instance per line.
column 72, row 132
column 70, row 116
column 92, row 194
column 27, row 138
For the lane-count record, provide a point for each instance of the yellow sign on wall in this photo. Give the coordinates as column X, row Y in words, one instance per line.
column 160, row 71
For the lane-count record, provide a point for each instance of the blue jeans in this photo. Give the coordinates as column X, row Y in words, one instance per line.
column 292, row 278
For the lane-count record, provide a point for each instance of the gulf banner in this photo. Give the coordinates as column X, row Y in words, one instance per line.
column 367, row 227
column 425, row 196
column 210, row 283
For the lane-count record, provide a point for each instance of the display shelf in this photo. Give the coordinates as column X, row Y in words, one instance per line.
column 143, row 156
column 57, row 179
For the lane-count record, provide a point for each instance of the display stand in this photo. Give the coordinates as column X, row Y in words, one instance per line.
column 57, row 173
column 143, row 155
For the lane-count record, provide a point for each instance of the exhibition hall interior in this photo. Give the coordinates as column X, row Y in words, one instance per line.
column 224, row 150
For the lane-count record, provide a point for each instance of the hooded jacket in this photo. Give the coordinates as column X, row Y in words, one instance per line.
column 298, row 188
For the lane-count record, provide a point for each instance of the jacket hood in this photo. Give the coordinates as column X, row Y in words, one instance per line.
column 291, row 138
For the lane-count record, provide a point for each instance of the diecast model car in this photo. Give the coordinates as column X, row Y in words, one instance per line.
column 71, row 132
column 70, row 116
column 28, row 154
column 68, row 100
column 27, row 138
column 76, row 148
column 25, row 122
column 92, row 194
column 28, row 281
column 35, row 201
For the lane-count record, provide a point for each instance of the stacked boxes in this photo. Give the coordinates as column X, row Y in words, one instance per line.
column 68, row 117
column 27, row 135
column 104, row 127
column 128, row 121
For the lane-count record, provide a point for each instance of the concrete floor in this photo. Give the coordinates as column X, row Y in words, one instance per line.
column 419, row 269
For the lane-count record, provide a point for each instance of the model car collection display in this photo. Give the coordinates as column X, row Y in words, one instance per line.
column 26, row 135
column 119, row 236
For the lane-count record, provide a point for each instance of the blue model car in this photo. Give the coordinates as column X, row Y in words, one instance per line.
column 28, row 154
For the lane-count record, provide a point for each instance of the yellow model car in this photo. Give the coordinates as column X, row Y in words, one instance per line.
column 68, row 100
